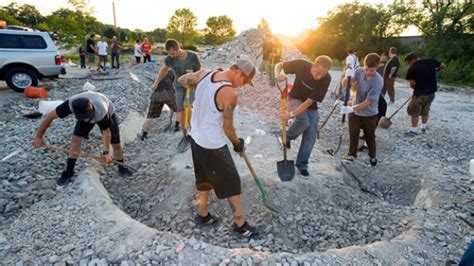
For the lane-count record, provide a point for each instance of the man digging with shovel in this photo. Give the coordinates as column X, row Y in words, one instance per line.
column 310, row 86
column 89, row 108
column 211, row 126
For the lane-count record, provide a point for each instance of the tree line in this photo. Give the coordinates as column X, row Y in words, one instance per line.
column 447, row 29
column 73, row 26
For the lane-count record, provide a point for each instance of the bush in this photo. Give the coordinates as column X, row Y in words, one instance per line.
column 458, row 72
column 190, row 47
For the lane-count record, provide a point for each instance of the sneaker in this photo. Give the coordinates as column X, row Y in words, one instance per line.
column 208, row 220
column 144, row 136
column 363, row 147
column 349, row 158
column 124, row 171
column 176, row 128
column 423, row 130
column 304, row 172
column 65, row 178
column 411, row 134
column 373, row 161
column 246, row 230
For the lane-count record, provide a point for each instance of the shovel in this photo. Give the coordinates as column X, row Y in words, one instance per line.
column 386, row 122
column 183, row 144
column 268, row 204
column 89, row 156
column 285, row 168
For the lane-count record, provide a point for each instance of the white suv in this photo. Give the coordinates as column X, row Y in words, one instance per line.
column 26, row 56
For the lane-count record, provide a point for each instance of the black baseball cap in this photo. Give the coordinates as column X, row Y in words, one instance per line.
column 81, row 108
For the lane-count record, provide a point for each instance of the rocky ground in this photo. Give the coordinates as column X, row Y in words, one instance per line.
column 419, row 209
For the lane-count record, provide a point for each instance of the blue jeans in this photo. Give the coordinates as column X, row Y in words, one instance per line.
column 306, row 124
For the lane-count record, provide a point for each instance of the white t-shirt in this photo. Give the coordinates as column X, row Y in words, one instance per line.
column 352, row 61
column 138, row 52
column 102, row 47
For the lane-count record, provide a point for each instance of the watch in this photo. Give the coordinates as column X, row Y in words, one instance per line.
column 105, row 153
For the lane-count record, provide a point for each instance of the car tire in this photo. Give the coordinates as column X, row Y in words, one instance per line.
column 18, row 78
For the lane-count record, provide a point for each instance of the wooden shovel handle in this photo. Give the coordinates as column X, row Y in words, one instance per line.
column 401, row 106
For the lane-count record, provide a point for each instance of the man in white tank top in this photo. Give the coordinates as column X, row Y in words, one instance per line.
column 211, row 126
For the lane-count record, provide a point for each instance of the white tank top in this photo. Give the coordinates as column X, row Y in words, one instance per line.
column 207, row 120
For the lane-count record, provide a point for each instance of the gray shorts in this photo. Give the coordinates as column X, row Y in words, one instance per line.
column 91, row 58
column 102, row 59
column 181, row 97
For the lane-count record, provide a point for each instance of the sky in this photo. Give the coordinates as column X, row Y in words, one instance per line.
column 290, row 17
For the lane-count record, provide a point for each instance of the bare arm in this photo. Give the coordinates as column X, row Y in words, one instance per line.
column 38, row 140
column 227, row 101
column 191, row 80
column 302, row 107
column 278, row 69
column 441, row 67
column 412, row 84
column 106, row 137
column 160, row 77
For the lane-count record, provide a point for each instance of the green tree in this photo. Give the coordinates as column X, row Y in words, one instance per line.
column 26, row 14
column 7, row 17
column 219, row 30
column 159, row 35
column 82, row 6
column 69, row 25
column 264, row 25
column 181, row 26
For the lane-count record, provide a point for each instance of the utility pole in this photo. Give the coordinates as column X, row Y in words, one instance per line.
column 113, row 8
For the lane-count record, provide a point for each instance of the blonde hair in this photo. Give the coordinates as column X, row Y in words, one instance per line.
column 323, row 61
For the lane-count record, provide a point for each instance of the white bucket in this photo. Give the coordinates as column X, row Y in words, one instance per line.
column 45, row 107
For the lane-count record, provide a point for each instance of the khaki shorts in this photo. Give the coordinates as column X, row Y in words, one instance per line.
column 91, row 58
column 420, row 105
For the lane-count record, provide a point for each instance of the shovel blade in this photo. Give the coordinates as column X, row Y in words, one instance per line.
column 286, row 170
column 385, row 122
column 184, row 144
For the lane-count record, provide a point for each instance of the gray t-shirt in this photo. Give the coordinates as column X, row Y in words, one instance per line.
column 102, row 105
column 179, row 67
column 367, row 89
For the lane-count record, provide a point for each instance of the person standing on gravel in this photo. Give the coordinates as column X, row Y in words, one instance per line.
column 390, row 74
column 145, row 47
column 364, row 110
column 422, row 77
column 211, row 125
column 89, row 108
column 181, row 62
column 164, row 94
column 137, row 52
column 352, row 63
column 115, row 52
column 310, row 87
column 102, row 51
column 91, row 50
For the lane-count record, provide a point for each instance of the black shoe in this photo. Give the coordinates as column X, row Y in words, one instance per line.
column 144, row 136
column 373, row 161
column 411, row 134
column 423, row 130
column 124, row 171
column 176, row 128
column 208, row 220
column 246, row 230
column 288, row 144
column 65, row 178
column 304, row 172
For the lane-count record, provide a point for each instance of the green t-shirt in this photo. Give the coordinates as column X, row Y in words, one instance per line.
column 179, row 67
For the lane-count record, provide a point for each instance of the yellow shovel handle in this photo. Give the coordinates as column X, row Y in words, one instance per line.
column 187, row 107
column 283, row 122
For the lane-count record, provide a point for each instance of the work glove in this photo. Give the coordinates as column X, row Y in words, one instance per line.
column 239, row 147
column 346, row 110
column 338, row 103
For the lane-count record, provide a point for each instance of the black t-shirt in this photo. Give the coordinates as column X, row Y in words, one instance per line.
column 90, row 43
column 423, row 72
column 393, row 62
column 166, row 82
column 63, row 110
column 305, row 85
